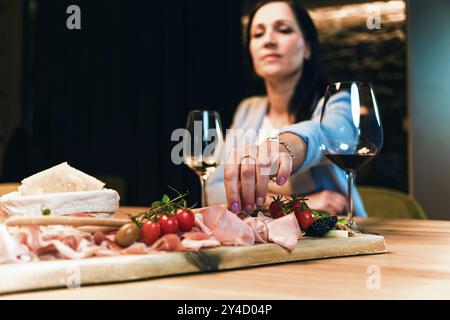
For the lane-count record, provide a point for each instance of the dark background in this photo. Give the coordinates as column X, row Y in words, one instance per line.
column 106, row 98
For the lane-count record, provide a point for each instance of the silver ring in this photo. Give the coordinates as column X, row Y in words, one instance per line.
column 248, row 156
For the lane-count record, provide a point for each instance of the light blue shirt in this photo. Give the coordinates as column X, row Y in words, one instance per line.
column 316, row 173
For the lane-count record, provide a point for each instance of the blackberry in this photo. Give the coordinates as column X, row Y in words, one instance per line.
column 321, row 226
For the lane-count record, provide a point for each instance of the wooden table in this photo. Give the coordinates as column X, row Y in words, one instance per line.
column 417, row 266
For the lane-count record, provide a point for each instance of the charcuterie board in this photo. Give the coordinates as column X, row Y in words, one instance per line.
column 91, row 271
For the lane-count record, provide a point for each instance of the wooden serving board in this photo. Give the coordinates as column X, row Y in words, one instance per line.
column 75, row 273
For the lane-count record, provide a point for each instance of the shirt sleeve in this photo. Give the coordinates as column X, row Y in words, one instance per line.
column 310, row 130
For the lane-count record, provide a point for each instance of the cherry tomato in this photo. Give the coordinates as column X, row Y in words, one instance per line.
column 295, row 204
column 274, row 207
column 169, row 224
column 278, row 214
column 305, row 218
column 275, row 210
column 186, row 219
column 150, row 232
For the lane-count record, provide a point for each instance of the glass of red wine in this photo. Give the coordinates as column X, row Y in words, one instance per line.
column 352, row 133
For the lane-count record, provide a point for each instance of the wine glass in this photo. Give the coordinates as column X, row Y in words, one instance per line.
column 352, row 133
column 203, row 144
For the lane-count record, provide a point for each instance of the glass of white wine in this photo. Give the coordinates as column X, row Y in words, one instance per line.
column 203, row 145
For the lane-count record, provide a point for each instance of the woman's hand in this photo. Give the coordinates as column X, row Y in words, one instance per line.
column 248, row 170
column 327, row 200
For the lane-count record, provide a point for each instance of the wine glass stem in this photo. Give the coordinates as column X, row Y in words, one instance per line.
column 351, row 181
column 203, row 183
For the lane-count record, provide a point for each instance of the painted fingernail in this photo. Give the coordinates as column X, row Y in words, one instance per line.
column 281, row 181
column 235, row 207
column 260, row 201
column 248, row 208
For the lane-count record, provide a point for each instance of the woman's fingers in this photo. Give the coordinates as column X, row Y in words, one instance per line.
column 231, row 180
column 248, row 176
column 247, row 173
column 332, row 209
column 327, row 200
column 335, row 202
column 284, row 167
column 263, row 168
column 341, row 202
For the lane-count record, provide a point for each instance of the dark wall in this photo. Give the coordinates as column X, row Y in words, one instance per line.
column 106, row 98
column 355, row 52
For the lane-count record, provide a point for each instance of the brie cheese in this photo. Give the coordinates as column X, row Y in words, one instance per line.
column 63, row 190
column 101, row 203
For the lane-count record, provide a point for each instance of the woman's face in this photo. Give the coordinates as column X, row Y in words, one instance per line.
column 277, row 46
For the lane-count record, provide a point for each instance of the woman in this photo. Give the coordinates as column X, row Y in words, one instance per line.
column 283, row 45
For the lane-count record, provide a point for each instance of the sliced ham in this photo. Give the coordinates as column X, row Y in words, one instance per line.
column 227, row 227
column 65, row 243
column 66, row 252
column 104, row 252
column 61, row 233
column 195, row 240
column 99, row 237
column 196, row 235
column 285, row 231
column 11, row 250
column 168, row 242
column 195, row 245
column 136, row 248
column 215, row 226
column 200, row 223
column 259, row 227
column 242, row 215
column 29, row 236
column 265, row 218
column 114, row 247
column 110, row 247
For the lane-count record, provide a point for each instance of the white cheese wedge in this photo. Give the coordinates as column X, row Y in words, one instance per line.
column 102, row 203
column 62, row 189
column 60, row 178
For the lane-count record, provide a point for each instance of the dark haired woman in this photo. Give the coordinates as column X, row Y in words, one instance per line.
column 282, row 42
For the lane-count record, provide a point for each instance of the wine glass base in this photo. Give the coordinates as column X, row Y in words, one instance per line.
column 352, row 225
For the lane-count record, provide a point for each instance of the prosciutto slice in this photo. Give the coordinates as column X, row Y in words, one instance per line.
column 11, row 250
column 227, row 227
column 64, row 243
column 196, row 239
column 215, row 226
column 169, row 242
column 195, row 245
column 285, row 231
column 200, row 224
column 84, row 250
column 260, row 228
column 196, row 235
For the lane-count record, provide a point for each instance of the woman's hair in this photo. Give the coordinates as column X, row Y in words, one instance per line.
column 312, row 82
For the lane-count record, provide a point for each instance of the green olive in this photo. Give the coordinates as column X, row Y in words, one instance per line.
column 127, row 234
